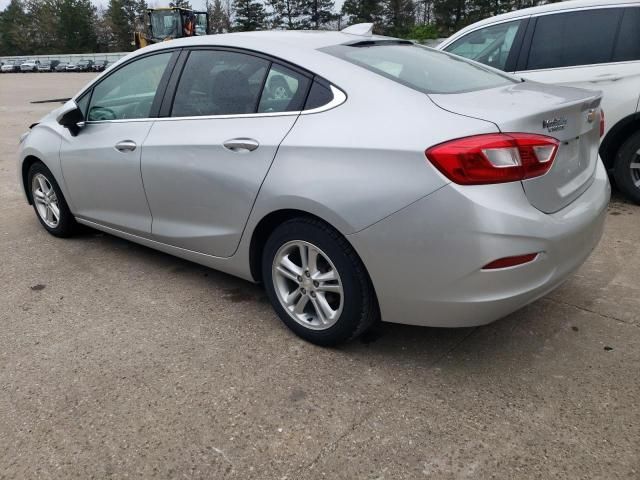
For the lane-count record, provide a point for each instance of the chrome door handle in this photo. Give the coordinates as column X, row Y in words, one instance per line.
column 241, row 145
column 126, row 146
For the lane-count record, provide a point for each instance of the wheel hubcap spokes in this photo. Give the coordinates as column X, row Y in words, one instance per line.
column 635, row 169
column 308, row 285
column 280, row 93
column 46, row 201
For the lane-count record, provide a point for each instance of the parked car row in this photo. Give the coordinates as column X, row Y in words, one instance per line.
column 14, row 66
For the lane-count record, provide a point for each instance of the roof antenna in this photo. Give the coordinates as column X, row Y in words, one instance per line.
column 362, row 29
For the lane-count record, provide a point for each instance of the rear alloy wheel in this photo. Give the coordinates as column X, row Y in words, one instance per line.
column 49, row 203
column 627, row 167
column 316, row 282
column 308, row 285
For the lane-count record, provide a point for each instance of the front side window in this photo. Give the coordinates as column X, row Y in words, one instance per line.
column 219, row 83
column 129, row 91
column 490, row 45
column 575, row 38
column 284, row 91
column 82, row 103
column 420, row 68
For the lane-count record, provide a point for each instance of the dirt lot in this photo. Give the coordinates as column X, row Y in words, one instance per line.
column 118, row 361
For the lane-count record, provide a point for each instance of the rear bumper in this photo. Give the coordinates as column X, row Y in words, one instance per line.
column 426, row 260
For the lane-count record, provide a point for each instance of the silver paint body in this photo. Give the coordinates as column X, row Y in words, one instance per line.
column 359, row 166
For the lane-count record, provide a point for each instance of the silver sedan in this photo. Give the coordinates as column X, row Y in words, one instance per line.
column 357, row 177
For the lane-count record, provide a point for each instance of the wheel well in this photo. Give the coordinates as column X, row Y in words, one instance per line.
column 26, row 165
column 266, row 226
column 616, row 137
column 261, row 233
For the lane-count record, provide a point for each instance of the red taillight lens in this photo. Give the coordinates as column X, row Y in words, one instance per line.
column 601, row 123
column 494, row 158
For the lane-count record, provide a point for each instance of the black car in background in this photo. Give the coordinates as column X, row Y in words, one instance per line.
column 81, row 66
column 84, row 65
column 100, row 65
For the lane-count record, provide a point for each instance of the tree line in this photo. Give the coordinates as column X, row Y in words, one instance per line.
column 77, row 26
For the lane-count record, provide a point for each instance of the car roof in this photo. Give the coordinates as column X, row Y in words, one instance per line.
column 305, row 39
column 550, row 7
column 299, row 47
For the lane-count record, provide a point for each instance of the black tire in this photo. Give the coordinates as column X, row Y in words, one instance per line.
column 67, row 225
column 626, row 177
column 360, row 307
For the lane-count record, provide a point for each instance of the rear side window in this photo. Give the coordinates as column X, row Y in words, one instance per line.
column 420, row 68
column 219, row 83
column 577, row 38
column 319, row 96
column 628, row 44
column 490, row 45
column 284, row 90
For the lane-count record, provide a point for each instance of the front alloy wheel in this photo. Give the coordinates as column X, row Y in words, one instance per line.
column 45, row 200
column 48, row 202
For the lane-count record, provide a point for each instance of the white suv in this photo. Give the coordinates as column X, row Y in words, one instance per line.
column 583, row 43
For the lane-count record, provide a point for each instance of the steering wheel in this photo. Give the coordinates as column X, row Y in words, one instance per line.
column 279, row 89
column 101, row 113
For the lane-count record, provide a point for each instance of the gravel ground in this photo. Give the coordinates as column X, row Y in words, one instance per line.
column 118, row 361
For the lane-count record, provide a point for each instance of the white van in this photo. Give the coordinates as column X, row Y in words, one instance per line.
column 583, row 43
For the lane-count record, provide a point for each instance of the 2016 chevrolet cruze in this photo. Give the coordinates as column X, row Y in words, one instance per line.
column 358, row 177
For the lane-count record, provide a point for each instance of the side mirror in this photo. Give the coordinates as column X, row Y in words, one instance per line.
column 71, row 117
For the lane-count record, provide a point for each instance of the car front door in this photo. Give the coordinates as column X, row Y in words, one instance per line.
column 203, row 165
column 101, row 165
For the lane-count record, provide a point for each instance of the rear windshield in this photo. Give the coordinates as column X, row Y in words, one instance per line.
column 421, row 68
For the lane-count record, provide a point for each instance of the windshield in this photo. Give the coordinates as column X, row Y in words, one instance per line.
column 201, row 23
column 165, row 24
column 420, row 68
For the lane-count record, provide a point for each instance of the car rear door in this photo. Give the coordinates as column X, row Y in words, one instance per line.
column 595, row 48
column 204, row 162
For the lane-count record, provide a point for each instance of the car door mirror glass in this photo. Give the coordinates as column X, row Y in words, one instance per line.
column 71, row 117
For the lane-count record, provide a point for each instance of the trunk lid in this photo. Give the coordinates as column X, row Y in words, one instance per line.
column 570, row 115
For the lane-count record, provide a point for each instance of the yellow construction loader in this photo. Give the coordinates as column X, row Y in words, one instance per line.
column 171, row 22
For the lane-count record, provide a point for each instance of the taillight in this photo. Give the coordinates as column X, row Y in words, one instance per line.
column 601, row 123
column 494, row 157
